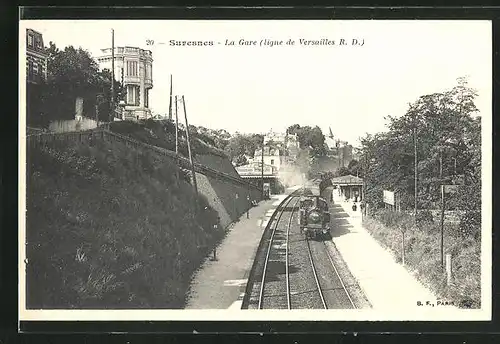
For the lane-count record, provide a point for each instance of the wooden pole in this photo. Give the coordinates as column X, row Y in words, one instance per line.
column 189, row 146
column 403, row 247
column 442, row 225
column 176, row 127
column 440, row 164
column 97, row 111
column 112, row 112
column 448, row 269
column 170, row 105
column 416, row 167
column 177, row 138
column 262, row 167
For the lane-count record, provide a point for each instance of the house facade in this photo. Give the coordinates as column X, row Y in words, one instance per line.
column 134, row 69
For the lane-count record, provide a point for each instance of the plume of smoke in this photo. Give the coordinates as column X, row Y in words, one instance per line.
column 291, row 176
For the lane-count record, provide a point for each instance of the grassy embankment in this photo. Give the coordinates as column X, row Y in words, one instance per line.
column 111, row 226
column 162, row 134
column 423, row 255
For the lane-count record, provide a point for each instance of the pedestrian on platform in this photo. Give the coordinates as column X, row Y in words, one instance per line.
column 354, row 207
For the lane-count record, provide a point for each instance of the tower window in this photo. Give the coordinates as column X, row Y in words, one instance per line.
column 132, row 68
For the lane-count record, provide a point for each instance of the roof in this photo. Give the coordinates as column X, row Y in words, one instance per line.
column 348, row 180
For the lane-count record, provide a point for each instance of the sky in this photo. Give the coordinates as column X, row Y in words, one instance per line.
column 253, row 89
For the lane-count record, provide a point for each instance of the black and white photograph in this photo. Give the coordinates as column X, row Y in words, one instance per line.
column 255, row 170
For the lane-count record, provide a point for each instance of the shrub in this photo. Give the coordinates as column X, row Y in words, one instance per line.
column 422, row 255
column 424, row 217
column 470, row 224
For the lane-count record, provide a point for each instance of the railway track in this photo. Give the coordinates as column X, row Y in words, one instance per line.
column 275, row 283
column 293, row 272
column 331, row 288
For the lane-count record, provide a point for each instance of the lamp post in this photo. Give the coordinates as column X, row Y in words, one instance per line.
column 248, row 206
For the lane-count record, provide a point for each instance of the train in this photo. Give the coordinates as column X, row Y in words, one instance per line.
column 314, row 215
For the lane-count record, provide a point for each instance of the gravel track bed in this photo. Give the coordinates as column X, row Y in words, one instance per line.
column 350, row 282
column 334, row 293
column 255, row 280
column 275, row 293
column 275, row 290
column 304, row 291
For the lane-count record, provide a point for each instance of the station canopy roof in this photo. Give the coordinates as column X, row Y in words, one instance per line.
column 347, row 180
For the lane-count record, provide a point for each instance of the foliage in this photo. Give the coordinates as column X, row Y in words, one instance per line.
column 446, row 134
column 424, row 216
column 422, row 256
column 110, row 226
column 445, row 130
column 355, row 168
column 162, row 134
column 241, row 145
column 309, row 138
column 343, row 171
column 73, row 73
column 218, row 138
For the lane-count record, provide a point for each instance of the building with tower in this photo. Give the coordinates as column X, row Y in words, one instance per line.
column 134, row 69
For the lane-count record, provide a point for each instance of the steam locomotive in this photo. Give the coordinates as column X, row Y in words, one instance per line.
column 314, row 216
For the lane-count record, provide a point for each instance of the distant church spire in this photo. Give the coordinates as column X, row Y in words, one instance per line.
column 331, row 134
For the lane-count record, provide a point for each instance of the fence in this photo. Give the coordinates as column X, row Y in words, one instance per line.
column 72, row 125
column 104, row 134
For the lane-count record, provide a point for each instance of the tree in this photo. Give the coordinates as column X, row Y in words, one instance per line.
column 241, row 160
column 448, row 147
column 354, row 168
column 73, row 73
column 243, row 145
column 343, row 171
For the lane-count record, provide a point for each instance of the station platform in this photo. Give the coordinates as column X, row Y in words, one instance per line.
column 220, row 283
column 388, row 285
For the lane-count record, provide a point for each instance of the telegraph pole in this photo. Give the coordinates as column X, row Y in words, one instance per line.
column 440, row 164
column 442, row 225
column 170, row 105
column 262, row 167
column 416, row 172
column 112, row 75
column 176, row 128
column 177, row 138
column 189, row 146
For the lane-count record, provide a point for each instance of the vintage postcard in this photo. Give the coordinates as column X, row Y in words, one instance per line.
column 255, row 170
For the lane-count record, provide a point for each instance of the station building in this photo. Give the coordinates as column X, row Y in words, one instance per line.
column 348, row 187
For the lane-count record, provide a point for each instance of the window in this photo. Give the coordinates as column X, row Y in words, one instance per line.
column 131, row 68
column 130, row 94
column 38, row 43
column 133, row 95
column 272, row 161
column 30, row 70
column 30, row 40
column 41, row 71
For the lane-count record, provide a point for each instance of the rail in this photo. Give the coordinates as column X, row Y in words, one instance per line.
column 316, row 279
column 268, row 254
column 338, row 275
